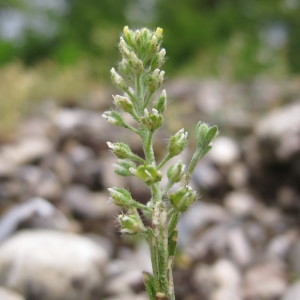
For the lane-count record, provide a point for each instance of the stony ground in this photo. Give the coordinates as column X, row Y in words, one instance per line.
column 58, row 235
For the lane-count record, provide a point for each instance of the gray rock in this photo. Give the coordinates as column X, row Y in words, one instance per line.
column 227, row 280
column 293, row 257
column 6, row 294
column 240, row 204
column 281, row 128
column 225, row 151
column 52, row 265
column 37, row 212
column 80, row 201
column 26, row 150
column 293, row 292
column 265, row 280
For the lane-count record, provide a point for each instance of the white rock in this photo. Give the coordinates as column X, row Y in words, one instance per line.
column 225, row 151
column 52, row 265
column 27, row 150
column 227, row 279
column 239, row 246
column 6, row 294
column 293, row 292
column 282, row 126
column 240, row 203
column 266, row 280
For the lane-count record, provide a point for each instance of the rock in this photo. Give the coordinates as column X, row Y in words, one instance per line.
column 225, row 151
column 36, row 212
column 293, row 292
column 239, row 246
column 6, row 294
column 281, row 131
column 52, row 265
column 227, row 280
column 293, row 257
column 265, row 280
column 240, row 204
column 125, row 272
column 198, row 218
column 280, row 245
column 85, row 204
column 27, row 150
column 238, row 175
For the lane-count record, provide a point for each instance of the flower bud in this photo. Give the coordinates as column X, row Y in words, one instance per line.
column 121, row 197
column 152, row 121
column 175, row 172
column 128, row 36
column 182, row 199
column 123, row 166
column 130, row 224
column 120, row 150
column 159, row 33
column 124, row 103
column 117, row 79
column 161, row 103
column 113, row 117
column 155, row 80
column 177, row 142
column 205, row 134
column 123, row 48
column 148, row 174
column 135, row 63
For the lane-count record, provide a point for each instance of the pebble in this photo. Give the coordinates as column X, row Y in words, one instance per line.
column 52, row 265
column 6, row 294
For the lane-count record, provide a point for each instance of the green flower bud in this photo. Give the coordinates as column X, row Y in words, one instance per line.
column 205, row 134
column 155, row 80
column 177, row 142
column 135, row 63
column 148, row 174
column 161, row 103
column 159, row 34
column 117, row 79
column 130, row 224
column 183, row 198
column 120, row 150
column 123, row 166
column 123, row 48
column 128, row 36
column 121, row 197
column 175, row 172
column 124, row 103
column 113, row 117
column 152, row 121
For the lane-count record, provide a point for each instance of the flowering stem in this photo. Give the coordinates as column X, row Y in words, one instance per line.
column 139, row 77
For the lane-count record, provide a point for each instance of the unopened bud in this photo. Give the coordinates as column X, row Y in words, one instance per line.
column 117, row 79
column 161, row 103
column 148, row 174
column 120, row 150
column 130, row 224
column 175, row 172
column 152, row 121
column 205, row 134
column 183, row 198
column 121, row 197
column 123, row 166
column 177, row 142
column 124, row 103
column 113, row 117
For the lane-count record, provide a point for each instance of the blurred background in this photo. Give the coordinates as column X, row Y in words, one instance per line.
column 234, row 63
